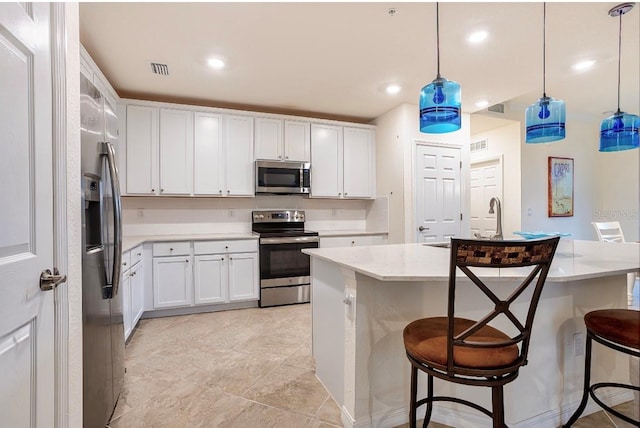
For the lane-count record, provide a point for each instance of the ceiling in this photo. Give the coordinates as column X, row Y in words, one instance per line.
column 334, row 60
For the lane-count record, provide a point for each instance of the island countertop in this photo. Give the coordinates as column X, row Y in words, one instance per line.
column 574, row 260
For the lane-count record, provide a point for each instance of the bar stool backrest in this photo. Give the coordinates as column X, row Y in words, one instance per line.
column 466, row 254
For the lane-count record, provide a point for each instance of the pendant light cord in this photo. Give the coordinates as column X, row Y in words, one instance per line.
column 438, row 36
column 619, row 51
column 544, row 50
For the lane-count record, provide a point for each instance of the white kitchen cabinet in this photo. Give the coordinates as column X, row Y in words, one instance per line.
column 209, row 163
column 172, row 281
column 269, row 139
column 125, row 291
column 226, row 271
column 352, row 241
column 176, row 152
column 210, row 279
column 297, row 140
column 238, row 147
column 326, row 158
column 132, row 289
column 142, row 150
column 243, row 277
column 223, row 155
column 137, row 293
column 288, row 140
column 358, row 163
column 343, row 162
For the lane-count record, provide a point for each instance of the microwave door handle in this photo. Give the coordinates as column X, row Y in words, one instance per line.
column 109, row 152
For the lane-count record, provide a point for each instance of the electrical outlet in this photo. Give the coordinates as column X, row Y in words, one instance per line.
column 140, row 213
column 334, row 212
column 231, row 213
column 578, row 344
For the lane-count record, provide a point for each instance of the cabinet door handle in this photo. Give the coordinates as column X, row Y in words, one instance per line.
column 339, row 193
column 124, row 263
column 161, row 190
column 222, row 258
column 153, row 190
column 220, row 191
column 228, row 191
column 138, row 254
column 345, row 193
column 186, row 261
column 170, row 249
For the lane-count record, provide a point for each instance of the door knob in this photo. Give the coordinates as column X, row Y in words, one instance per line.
column 49, row 281
column 422, row 228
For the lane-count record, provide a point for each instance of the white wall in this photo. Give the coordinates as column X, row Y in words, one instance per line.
column 606, row 185
column 167, row 215
column 397, row 132
column 505, row 141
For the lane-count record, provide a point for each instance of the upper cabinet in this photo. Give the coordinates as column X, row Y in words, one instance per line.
column 176, row 152
column 223, row 161
column 142, row 150
column 238, row 147
column 342, row 162
column 278, row 139
column 182, row 152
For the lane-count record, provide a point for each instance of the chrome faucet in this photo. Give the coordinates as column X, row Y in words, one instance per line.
column 493, row 202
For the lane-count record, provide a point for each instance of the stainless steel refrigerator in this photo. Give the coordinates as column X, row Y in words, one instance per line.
column 102, row 320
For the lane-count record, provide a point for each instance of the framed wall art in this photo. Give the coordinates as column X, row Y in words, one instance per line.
column 560, row 179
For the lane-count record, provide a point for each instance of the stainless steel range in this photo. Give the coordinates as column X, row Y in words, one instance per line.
column 284, row 270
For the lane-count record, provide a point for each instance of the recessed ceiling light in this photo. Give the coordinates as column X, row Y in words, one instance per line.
column 477, row 37
column 216, row 63
column 393, row 89
column 583, row 65
column 482, row 104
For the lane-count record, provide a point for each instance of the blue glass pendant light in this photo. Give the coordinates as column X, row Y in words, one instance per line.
column 619, row 131
column 545, row 119
column 440, row 103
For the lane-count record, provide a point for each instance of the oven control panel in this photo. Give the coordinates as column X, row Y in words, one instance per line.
column 278, row 216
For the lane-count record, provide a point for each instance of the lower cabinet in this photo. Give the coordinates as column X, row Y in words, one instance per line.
column 352, row 241
column 227, row 277
column 132, row 290
column 172, row 282
column 218, row 272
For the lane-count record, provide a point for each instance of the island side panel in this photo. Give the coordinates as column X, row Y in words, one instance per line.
column 328, row 326
column 551, row 381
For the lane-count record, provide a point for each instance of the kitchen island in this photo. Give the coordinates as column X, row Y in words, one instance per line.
column 363, row 297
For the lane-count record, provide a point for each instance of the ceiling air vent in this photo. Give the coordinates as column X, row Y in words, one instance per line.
column 162, row 69
column 497, row 108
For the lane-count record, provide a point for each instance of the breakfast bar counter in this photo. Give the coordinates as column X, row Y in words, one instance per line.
column 363, row 297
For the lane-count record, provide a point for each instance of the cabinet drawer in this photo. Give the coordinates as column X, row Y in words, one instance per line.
column 217, row 247
column 126, row 261
column 171, row 249
column 136, row 255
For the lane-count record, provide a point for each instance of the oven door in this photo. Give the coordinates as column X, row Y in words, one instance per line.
column 282, row 263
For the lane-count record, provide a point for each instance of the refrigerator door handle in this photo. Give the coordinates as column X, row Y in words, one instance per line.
column 109, row 152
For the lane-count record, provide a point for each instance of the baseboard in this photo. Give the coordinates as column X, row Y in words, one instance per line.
column 463, row 419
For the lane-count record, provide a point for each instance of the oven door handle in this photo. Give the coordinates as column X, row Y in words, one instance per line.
column 289, row 240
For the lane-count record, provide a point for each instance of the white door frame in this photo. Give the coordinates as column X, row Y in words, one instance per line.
column 411, row 226
column 59, row 189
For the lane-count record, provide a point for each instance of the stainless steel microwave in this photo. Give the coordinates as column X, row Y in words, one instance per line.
column 285, row 178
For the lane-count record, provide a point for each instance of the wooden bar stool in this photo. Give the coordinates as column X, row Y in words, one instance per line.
column 472, row 352
column 618, row 329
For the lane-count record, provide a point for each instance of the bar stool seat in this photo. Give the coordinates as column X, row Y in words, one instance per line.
column 618, row 329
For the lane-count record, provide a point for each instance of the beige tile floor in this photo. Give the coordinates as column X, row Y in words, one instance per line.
column 241, row 368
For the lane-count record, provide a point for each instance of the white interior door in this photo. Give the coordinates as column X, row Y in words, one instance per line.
column 26, row 219
column 437, row 193
column 486, row 183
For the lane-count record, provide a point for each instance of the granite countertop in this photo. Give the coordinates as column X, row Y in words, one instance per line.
column 574, row 260
column 129, row 242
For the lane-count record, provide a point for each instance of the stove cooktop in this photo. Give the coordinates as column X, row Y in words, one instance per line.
column 284, row 233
